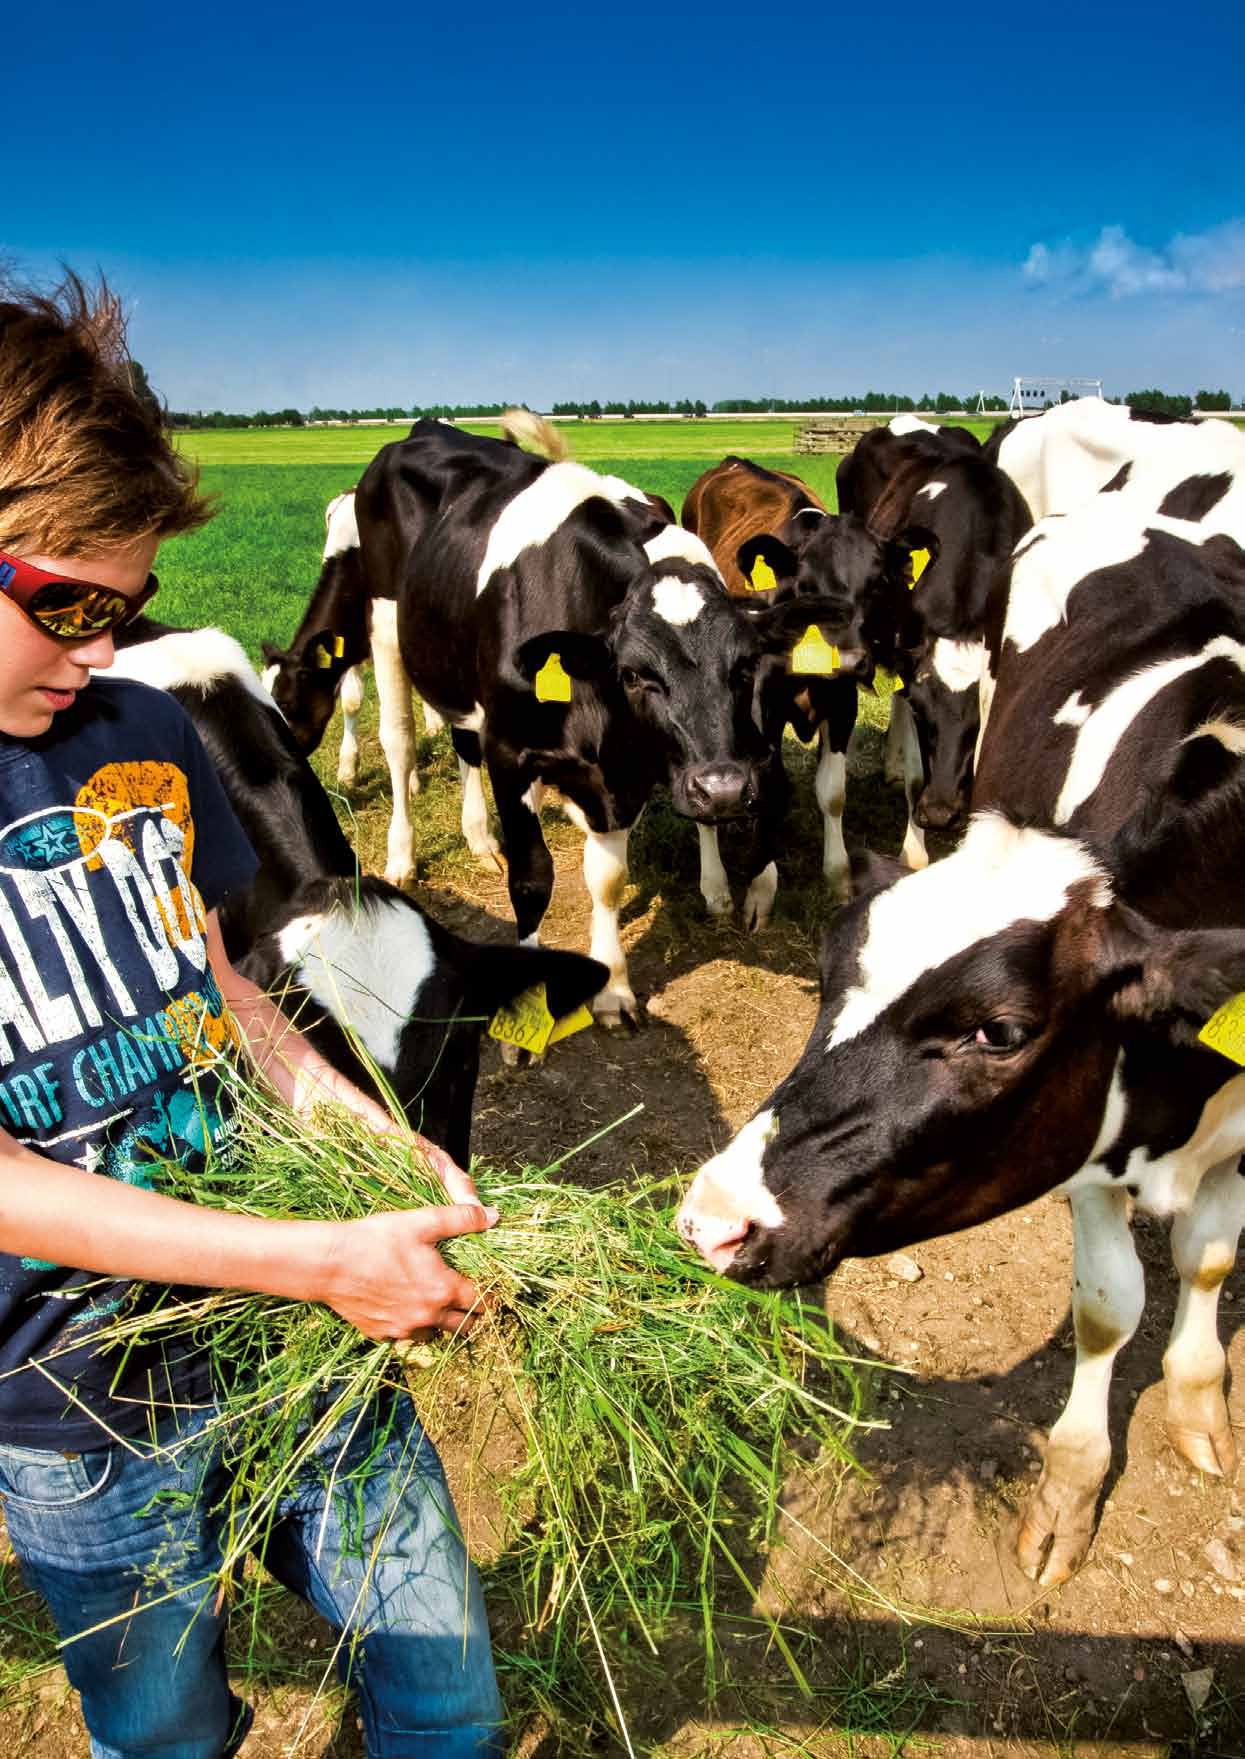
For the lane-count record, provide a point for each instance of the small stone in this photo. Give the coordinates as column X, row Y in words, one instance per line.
column 988, row 1469
column 1164, row 1586
column 948, row 1276
column 870, row 1343
column 1139, row 1674
column 961, row 1669
column 1237, row 1593
column 1183, row 1644
column 906, row 1269
column 919, row 1644
column 1197, row 1686
column 1126, row 1558
column 977, row 1301
column 1221, row 1560
column 1186, row 1588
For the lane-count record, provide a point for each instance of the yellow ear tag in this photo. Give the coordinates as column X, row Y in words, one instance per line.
column 553, row 684
column 899, row 684
column 323, row 662
column 1225, row 1030
column 339, row 647
column 527, row 1022
column 920, row 562
column 763, row 578
column 813, row 653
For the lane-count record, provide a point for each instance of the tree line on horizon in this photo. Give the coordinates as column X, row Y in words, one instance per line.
column 872, row 403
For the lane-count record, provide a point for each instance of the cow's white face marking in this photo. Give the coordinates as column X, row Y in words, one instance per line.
column 533, row 516
column 672, row 540
column 196, row 658
column 365, row 967
column 933, row 490
column 678, row 601
column 911, row 424
column 268, row 676
column 341, row 527
column 999, row 875
column 730, row 1191
column 1107, row 724
column 958, row 664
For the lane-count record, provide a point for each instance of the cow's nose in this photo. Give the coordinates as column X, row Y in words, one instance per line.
column 937, row 815
column 715, row 1237
column 714, row 789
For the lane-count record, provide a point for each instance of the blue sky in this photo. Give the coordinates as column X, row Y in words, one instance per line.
column 412, row 204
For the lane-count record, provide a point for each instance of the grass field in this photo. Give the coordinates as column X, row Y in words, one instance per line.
column 253, row 568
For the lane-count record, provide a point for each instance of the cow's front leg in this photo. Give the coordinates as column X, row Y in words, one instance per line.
column 1204, row 1250
column 893, row 751
column 715, row 887
column 833, row 735
column 762, row 857
column 1108, row 1293
column 352, row 702
column 476, row 833
column 397, row 738
column 913, row 853
column 605, row 874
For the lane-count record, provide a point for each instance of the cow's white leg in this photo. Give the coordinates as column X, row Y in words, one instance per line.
column 397, row 738
column 715, row 888
column 605, row 874
column 1108, row 1293
column 892, row 757
column 1204, row 1250
column 433, row 722
column 759, row 901
column 831, row 789
column 352, row 702
column 913, row 853
column 479, row 838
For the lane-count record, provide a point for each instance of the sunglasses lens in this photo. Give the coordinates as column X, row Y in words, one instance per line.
column 73, row 613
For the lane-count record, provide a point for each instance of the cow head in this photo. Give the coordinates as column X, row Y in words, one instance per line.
column 965, row 1059
column 303, row 681
column 944, row 698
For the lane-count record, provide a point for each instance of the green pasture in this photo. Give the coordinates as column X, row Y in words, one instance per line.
column 253, row 568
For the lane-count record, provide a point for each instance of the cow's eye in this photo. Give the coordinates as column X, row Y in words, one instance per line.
column 1000, row 1036
column 633, row 680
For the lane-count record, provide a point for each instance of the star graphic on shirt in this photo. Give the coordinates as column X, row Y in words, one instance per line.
column 52, row 839
column 91, row 1157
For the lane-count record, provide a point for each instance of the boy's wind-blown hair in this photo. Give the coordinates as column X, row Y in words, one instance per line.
column 85, row 459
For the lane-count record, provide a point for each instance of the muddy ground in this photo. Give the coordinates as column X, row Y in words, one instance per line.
column 924, row 1635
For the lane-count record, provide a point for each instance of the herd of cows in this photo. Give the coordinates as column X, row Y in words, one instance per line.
column 1051, row 1005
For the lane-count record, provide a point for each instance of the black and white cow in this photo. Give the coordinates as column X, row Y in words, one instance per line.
column 531, row 617
column 1025, row 1014
column 968, row 515
column 885, row 456
column 341, row 953
column 1060, row 459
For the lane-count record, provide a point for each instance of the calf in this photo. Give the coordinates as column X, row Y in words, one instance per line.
column 354, row 958
column 1028, row 1013
column 906, row 448
column 767, row 526
column 530, row 616
column 971, row 516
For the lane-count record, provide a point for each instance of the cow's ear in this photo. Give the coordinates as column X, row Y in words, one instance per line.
column 321, row 651
column 780, row 626
column 910, row 553
column 766, row 562
column 496, row 975
column 273, row 655
column 579, row 656
column 1174, row 979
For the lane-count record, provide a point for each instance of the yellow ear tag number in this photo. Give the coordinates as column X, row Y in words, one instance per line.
column 553, row 684
column 763, row 578
column 920, row 562
column 339, row 647
column 899, row 684
column 1225, row 1030
column 527, row 1023
column 814, row 654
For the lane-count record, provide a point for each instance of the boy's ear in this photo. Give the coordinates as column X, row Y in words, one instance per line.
column 766, row 562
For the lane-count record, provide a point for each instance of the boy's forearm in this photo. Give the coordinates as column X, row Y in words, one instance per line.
column 70, row 1217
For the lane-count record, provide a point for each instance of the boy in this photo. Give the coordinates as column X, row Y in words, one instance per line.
column 116, row 848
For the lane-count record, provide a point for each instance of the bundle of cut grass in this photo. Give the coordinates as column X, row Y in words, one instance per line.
column 659, row 1404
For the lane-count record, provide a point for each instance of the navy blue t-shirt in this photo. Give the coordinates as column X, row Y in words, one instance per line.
column 115, row 840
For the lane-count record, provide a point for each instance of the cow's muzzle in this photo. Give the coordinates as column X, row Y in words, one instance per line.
column 713, row 791
column 932, row 814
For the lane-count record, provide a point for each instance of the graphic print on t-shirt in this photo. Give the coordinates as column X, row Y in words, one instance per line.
column 105, row 987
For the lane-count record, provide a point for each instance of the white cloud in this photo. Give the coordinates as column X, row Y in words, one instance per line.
column 1195, row 262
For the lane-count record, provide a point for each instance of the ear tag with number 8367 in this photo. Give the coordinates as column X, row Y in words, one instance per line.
column 814, row 654
column 1225, row 1030
column 527, row 1023
column 553, row 683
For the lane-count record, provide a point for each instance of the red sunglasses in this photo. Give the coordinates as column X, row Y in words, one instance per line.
column 71, row 610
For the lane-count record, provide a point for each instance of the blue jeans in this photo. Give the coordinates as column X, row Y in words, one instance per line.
column 367, row 1536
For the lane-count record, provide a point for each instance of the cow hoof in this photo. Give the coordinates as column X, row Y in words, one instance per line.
column 718, row 903
column 433, row 722
column 1055, row 1534
column 615, row 1008
column 1212, row 1451
column 488, row 853
column 514, row 1058
column 412, row 786
column 839, row 886
column 403, row 877
column 759, row 902
column 347, row 778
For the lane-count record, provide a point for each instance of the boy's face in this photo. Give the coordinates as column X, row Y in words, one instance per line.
column 40, row 675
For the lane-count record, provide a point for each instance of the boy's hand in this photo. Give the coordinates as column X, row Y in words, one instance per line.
column 385, row 1276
